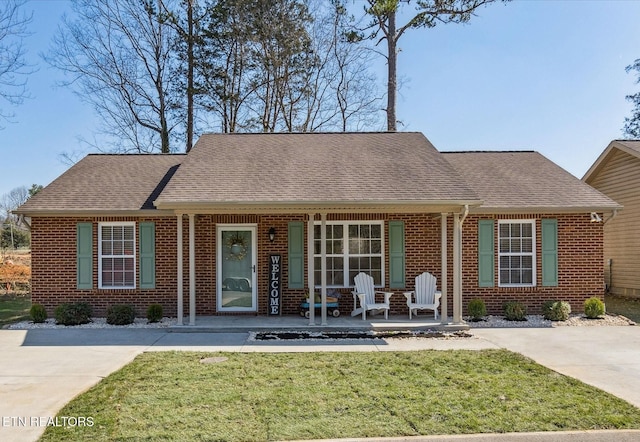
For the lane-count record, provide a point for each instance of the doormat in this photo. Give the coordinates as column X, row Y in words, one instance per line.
column 288, row 335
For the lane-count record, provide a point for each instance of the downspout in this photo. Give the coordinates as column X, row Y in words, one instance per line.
column 610, row 261
column 23, row 220
column 464, row 214
column 613, row 215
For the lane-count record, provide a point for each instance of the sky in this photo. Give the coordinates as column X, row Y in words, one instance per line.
column 541, row 75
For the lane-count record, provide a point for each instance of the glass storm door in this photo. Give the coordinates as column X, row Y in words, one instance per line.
column 236, row 281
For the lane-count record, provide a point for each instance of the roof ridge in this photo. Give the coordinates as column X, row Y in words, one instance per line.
column 135, row 154
column 311, row 133
column 489, row 151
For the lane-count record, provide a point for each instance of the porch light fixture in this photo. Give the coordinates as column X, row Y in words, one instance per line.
column 272, row 234
column 595, row 218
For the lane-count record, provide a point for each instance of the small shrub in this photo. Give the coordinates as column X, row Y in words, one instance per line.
column 515, row 311
column 593, row 308
column 556, row 310
column 121, row 314
column 154, row 313
column 38, row 313
column 73, row 313
column 477, row 309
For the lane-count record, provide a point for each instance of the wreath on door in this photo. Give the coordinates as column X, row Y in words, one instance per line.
column 236, row 245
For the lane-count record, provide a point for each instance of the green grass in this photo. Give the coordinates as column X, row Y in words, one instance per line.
column 267, row 396
column 629, row 307
column 14, row 309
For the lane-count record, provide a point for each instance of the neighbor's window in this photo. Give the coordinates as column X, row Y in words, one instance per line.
column 352, row 247
column 516, row 253
column 117, row 255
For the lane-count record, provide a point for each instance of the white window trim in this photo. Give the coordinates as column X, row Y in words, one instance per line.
column 346, row 248
column 533, row 251
column 100, row 256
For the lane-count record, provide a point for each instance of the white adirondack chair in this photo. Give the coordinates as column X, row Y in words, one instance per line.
column 425, row 295
column 366, row 294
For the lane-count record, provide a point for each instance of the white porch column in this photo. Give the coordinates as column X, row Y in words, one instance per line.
column 192, row 270
column 457, row 269
column 443, row 265
column 310, row 269
column 323, row 267
column 179, row 277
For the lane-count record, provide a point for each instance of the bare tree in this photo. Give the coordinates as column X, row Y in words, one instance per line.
column 428, row 14
column 119, row 57
column 13, row 66
column 9, row 202
column 300, row 75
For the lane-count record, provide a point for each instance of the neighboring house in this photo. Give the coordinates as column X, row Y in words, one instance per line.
column 616, row 173
column 244, row 223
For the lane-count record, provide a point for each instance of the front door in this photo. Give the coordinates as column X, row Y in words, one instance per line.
column 236, row 281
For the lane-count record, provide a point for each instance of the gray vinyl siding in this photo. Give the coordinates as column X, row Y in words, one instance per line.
column 619, row 179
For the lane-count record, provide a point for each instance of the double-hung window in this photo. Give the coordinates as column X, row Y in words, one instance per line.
column 516, row 253
column 352, row 247
column 117, row 255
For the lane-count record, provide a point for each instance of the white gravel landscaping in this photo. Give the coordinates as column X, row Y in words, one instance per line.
column 489, row 322
column 539, row 321
column 95, row 323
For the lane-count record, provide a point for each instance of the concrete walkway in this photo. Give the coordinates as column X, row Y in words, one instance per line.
column 41, row 370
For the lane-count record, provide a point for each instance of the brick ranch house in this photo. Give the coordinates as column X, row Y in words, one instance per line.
column 199, row 233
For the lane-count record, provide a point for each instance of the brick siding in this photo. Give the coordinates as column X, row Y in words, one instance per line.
column 54, row 262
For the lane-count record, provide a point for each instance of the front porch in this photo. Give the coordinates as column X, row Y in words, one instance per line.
column 315, row 255
column 235, row 324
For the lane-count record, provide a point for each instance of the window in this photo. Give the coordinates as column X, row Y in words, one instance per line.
column 352, row 247
column 516, row 253
column 116, row 255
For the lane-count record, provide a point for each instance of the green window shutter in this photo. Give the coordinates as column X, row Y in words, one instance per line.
column 147, row 255
column 550, row 252
column 84, row 256
column 396, row 254
column 486, row 253
column 296, row 255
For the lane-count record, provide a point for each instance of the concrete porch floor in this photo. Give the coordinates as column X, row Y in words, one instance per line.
column 229, row 324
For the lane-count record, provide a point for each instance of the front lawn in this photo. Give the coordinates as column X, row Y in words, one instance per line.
column 629, row 307
column 267, row 396
column 14, row 308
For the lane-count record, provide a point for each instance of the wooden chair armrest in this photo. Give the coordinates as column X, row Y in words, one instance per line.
column 408, row 295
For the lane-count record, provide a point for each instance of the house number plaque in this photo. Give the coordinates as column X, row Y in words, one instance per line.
column 275, row 287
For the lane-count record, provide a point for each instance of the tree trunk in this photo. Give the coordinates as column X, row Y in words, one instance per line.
column 391, row 75
column 190, row 62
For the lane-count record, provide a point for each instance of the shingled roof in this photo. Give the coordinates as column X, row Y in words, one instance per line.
column 279, row 173
column 631, row 147
column 337, row 170
column 106, row 183
column 525, row 181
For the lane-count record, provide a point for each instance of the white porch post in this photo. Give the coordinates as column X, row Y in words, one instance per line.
column 179, row 277
column 323, row 267
column 310, row 269
column 457, row 269
column 443, row 278
column 192, row 270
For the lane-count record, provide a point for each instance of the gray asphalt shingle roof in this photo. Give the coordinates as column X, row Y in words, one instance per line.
column 525, row 180
column 337, row 169
column 103, row 182
column 313, row 167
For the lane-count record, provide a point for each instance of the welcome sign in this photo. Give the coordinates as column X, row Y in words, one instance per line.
column 275, row 287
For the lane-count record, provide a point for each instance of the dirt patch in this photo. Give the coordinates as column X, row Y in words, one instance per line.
column 15, row 272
